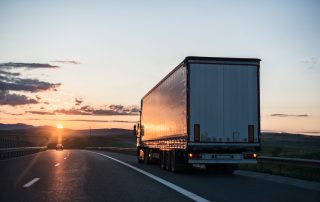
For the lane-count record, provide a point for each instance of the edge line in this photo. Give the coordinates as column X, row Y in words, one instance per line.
column 158, row 179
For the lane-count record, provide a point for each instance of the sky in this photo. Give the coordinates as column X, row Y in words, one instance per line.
column 71, row 61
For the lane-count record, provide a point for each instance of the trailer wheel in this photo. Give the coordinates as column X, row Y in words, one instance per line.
column 146, row 156
column 139, row 159
column 168, row 160
column 162, row 160
column 174, row 167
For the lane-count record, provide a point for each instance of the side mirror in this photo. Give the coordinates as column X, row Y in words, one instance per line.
column 135, row 130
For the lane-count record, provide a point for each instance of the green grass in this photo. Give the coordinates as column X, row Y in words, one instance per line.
column 290, row 145
column 312, row 174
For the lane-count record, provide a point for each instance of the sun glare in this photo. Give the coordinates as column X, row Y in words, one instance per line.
column 60, row 126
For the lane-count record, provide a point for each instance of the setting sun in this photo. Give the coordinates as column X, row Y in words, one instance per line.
column 60, row 126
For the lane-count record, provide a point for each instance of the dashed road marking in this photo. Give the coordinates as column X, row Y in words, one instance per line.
column 185, row 192
column 31, row 182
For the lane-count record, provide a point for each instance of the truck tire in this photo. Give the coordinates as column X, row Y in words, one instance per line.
column 162, row 160
column 139, row 160
column 146, row 156
column 168, row 160
column 173, row 162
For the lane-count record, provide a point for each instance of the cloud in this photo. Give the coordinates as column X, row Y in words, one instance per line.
column 109, row 111
column 71, row 112
column 128, row 109
column 11, row 81
column 6, row 73
column 86, row 120
column 102, row 121
column 67, row 62
column 41, row 112
column 135, row 109
column 290, row 115
column 13, row 99
column 13, row 65
column 311, row 62
column 29, row 85
column 87, row 108
column 117, row 110
column 116, row 107
column 78, row 101
column 9, row 113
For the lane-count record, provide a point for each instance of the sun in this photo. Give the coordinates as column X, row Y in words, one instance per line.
column 59, row 126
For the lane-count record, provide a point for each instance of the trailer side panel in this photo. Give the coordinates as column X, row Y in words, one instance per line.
column 164, row 112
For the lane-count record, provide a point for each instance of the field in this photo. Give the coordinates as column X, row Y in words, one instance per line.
column 71, row 139
column 290, row 145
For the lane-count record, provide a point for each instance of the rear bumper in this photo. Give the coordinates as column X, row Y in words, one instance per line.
column 223, row 146
column 222, row 161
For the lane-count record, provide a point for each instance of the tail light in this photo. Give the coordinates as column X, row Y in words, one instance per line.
column 194, row 156
column 250, row 156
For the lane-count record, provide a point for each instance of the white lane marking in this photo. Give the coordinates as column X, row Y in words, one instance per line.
column 158, row 179
column 31, row 182
column 58, row 164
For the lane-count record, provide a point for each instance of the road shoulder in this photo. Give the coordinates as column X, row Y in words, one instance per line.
column 280, row 179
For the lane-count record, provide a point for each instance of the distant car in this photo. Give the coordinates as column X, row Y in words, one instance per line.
column 59, row 147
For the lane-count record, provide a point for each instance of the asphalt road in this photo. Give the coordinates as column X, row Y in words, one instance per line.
column 79, row 175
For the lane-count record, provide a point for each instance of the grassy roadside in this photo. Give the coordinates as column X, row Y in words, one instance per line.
column 311, row 174
column 290, row 146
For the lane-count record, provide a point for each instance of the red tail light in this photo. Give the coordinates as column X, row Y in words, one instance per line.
column 250, row 156
column 194, row 156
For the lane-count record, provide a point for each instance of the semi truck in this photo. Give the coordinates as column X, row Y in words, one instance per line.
column 206, row 111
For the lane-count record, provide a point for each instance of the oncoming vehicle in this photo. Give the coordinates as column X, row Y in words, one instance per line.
column 59, row 147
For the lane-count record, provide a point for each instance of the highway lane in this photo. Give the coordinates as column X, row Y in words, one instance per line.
column 82, row 176
column 79, row 175
column 219, row 187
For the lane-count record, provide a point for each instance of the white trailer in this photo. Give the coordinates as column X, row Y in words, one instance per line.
column 205, row 111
